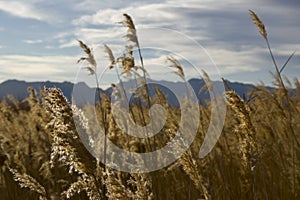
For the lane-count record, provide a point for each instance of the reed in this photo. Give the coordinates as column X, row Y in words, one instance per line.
column 256, row 157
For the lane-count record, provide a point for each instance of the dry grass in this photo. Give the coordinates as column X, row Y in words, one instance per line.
column 256, row 157
column 259, row 24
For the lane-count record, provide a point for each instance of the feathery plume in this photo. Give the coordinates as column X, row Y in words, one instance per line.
column 175, row 64
column 26, row 181
column 90, row 57
column 259, row 24
column 110, row 54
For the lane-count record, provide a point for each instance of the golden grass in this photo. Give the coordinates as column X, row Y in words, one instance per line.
column 256, row 157
column 259, row 24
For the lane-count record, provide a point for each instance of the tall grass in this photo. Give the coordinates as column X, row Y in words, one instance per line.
column 256, row 157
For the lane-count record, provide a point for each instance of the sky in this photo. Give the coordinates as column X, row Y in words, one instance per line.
column 38, row 38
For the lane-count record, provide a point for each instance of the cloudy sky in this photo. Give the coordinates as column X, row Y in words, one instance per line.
column 38, row 37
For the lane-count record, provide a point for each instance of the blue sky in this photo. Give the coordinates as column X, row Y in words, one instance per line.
column 38, row 37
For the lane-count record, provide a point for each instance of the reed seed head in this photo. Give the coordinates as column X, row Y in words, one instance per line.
column 259, row 24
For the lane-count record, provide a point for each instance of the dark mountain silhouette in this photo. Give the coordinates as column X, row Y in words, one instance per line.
column 85, row 94
column 18, row 89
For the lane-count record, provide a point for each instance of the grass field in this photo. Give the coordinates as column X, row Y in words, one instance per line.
column 256, row 157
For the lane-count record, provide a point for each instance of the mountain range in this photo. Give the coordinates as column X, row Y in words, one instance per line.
column 18, row 89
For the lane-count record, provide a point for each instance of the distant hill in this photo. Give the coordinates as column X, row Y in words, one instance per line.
column 19, row 89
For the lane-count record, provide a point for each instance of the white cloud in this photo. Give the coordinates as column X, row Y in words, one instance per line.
column 72, row 43
column 37, row 67
column 150, row 14
column 21, row 9
column 108, row 17
column 230, row 61
column 40, row 10
column 32, row 41
column 98, row 36
column 92, row 5
column 93, row 37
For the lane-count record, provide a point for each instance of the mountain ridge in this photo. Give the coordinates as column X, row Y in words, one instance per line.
column 18, row 88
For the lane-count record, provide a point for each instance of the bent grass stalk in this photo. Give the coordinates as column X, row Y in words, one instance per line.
column 92, row 69
column 259, row 24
